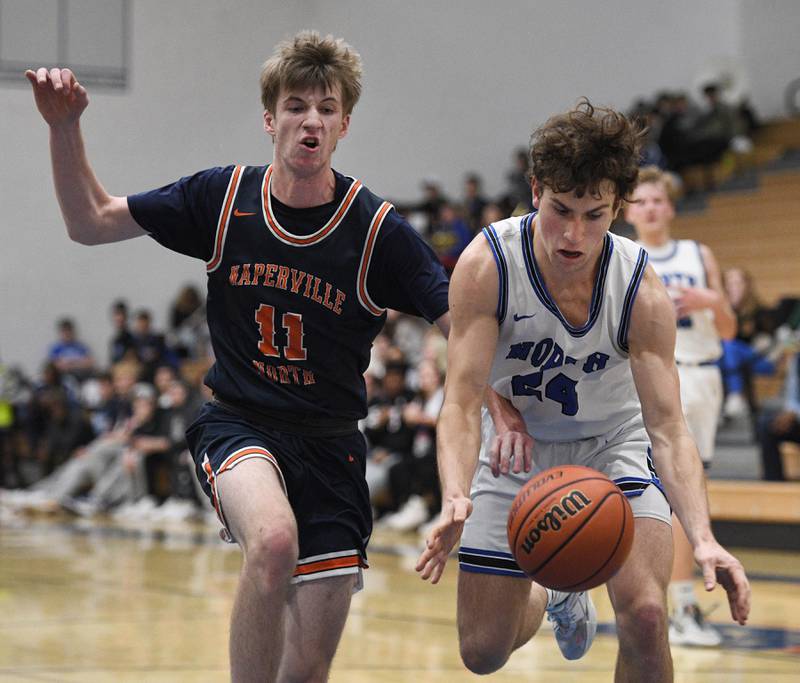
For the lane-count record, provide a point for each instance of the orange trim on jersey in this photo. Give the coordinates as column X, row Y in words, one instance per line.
column 303, row 241
column 224, row 218
column 327, row 565
column 366, row 257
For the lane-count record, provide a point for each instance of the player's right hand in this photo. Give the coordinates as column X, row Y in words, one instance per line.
column 443, row 537
column 60, row 99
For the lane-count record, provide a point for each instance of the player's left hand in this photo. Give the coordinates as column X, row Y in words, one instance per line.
column 719, row 566
column 512, row 447
column 690, row 299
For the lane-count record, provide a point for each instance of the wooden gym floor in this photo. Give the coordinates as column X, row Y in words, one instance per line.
column 88, row 602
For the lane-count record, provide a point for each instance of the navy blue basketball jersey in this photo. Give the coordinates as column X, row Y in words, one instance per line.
column 293, row 310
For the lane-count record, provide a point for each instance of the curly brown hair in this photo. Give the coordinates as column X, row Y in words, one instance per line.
column 580, row 149
column 309, row 60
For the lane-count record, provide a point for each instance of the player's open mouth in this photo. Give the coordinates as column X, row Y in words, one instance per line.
column 310, row 143
column 566, row 253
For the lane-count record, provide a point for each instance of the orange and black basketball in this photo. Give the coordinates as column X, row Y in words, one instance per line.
column 570, row 528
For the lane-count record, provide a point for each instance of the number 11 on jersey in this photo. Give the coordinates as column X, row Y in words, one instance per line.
column 291, row 322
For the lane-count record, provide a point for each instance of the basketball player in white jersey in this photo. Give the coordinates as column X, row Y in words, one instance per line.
column 691, row 275
column 567, row 323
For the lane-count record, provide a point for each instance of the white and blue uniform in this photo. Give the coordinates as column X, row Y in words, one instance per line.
column 679, row 263
column 572, row 385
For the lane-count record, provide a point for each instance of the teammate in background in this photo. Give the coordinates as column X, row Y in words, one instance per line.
column 567, row 322
column 302, row 262
column 692, row 277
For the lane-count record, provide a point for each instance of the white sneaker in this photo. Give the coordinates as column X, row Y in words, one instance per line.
column 574, row 620
column 689, row 627
column 410, row 516
column 735, row 406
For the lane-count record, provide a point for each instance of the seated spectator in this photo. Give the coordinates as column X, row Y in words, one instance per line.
column 780, row 423
column 14, row 396
column 68, row 354
column 149, row 346
column 492, row 213
column 421, row 415
column 121, row 345
column 66, row 428
column 752, row 352
column 390, row 438
column 518, row 194
column 474, row 202
column 188, row 331
column 450, row 236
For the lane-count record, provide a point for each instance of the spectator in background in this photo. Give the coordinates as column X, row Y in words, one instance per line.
column 121, row 343
column 188, row 330
column 68, row 354
column 421, row 415
column 431, row 204
column 781, row 423
column 519, row 196
column 389, row 437
column 149, row 346
column 66, row 428
column 474, row 202
column 752, row 351
column 450, row 236
column 492, row 212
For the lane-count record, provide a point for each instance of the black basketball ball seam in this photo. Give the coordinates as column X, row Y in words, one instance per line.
column 611, row 556
column 538, row 502
column 588, row 519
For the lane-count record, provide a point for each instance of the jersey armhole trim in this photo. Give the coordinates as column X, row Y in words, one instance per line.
column 490, row 234
column 702, row 263
column 366, row 257
column 630, row 298
column 224, row 219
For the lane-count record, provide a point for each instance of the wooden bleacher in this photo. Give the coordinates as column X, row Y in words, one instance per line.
column 758, row 230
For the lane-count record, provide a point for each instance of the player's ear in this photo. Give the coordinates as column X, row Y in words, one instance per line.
column 536, row 192
column 269, row 123
column 345, row 126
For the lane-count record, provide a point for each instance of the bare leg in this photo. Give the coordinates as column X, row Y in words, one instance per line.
column 683, row 565
column 314, row 622
column 261, row 520
column 496, row 615
column 638, row 593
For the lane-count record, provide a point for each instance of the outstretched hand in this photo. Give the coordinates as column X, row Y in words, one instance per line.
column 443, row 538
column 60, row 99
column 719, row 566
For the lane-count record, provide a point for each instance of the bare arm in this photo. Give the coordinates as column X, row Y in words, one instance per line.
column 92, row 216
column 470, row 350
column 711, row 297
column 652, row 349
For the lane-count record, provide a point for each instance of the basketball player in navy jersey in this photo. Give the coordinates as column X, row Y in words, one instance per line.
column 569, row 324
column 302, row 262
column 704, row 317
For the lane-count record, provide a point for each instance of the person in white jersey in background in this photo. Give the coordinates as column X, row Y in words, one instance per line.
column 568, row 323
column 704, row 317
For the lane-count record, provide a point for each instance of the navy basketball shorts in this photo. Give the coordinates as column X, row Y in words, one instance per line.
column 323, row 477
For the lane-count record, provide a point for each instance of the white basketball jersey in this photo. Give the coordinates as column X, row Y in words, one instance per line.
column 568, row 382
column 679, row 263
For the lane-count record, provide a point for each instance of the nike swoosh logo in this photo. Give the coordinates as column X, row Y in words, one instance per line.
column 518, row 317
column 238, row 213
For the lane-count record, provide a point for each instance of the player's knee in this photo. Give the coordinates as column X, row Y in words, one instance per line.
column 310, row 672
column 272, row 555
column 482, row 657
column 644, row 622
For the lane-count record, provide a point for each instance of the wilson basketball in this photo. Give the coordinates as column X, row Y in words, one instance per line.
column 570, row 528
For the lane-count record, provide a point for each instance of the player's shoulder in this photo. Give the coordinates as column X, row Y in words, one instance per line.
column 626, row 249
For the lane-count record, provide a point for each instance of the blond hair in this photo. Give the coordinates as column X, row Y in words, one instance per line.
column 654, row 175
column 310, row 61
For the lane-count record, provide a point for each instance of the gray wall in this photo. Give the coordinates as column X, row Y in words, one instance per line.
column 448, row 87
